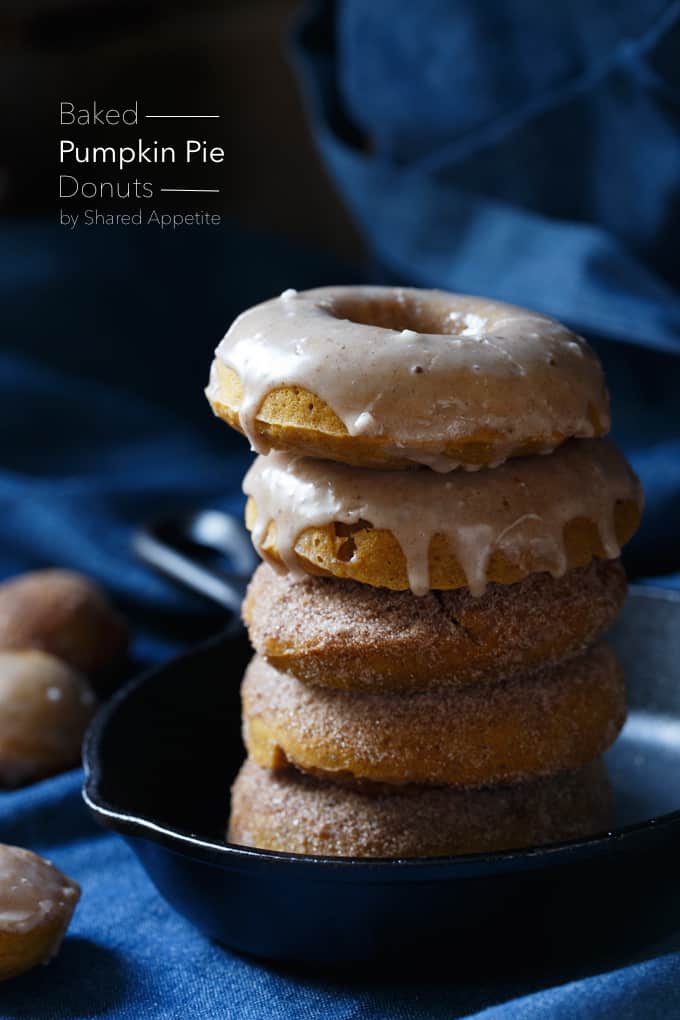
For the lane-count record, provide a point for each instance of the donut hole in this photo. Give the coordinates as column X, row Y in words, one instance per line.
column 400, row 312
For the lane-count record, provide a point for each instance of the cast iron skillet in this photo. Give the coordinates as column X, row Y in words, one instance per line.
column 161, row 755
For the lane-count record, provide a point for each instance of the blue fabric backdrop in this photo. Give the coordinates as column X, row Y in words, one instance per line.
column 520, row 149
column 530, row 152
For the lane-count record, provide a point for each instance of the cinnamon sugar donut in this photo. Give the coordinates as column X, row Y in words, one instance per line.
column 554, row 719
column 294, row 813
column 339, row 633
column 389, row 377
column 425, row 531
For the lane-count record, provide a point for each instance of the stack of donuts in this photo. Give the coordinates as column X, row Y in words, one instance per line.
column 441, row 521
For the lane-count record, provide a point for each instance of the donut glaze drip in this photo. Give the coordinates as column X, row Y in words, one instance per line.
column 33, row 892
column 523, row 504
column 413, row 366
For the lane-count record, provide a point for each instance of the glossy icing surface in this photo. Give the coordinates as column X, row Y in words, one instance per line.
column 523, row 504
column 33, row 892
column 418, row 368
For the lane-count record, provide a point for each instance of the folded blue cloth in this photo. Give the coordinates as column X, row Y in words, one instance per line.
column 511, row 148
column 529, row 152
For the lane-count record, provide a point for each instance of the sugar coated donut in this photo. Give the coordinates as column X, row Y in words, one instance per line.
column 340, row 633
column 388, row 377
column 36, row 905
column 294, row 813
column 65, row 614
column 425, row 531
column 554, row 719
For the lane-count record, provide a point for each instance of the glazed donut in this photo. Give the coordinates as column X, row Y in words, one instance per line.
column 340, row 633
column 389, row 377
column 425, row 531
column 36, row 905
column 554, row 719
column 45, row 707
column 294, row 813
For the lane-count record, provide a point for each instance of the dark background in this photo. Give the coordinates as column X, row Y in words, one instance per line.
column 218, row 56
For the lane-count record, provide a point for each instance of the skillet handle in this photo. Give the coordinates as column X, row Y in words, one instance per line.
column 188, row 549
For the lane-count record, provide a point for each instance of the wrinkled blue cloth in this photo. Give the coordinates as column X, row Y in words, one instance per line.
column 130, row 957
column 106, row 338
column 526, row 149
column 529, row 152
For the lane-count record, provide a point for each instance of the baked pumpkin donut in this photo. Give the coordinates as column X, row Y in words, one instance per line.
column 338, row 633
column 554, row 719
column 45, row 708
column 424, row 530
column 36, row 905
column 64, row 614
column 290, row 812
column 389, row 377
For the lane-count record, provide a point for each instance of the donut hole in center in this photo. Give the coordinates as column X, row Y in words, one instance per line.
column 401, row 313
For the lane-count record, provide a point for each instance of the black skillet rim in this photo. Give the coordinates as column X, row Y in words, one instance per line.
column 233, row 856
